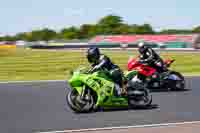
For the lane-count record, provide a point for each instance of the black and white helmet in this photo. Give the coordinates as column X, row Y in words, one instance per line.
column 142, row 47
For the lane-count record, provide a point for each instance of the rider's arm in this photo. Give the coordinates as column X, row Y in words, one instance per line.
column 102, row 62
column 150, row 55
column 100, row 65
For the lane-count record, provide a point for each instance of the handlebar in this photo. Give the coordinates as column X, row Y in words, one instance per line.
column 91, row 70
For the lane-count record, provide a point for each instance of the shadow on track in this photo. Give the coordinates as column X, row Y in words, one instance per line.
column 165, row 90
column 153, row 106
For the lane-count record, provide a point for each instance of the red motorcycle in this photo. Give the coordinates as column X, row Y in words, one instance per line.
column 169, row 79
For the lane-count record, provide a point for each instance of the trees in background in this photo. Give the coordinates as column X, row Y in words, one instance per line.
column 196, row 29
column 36, row 35
column 108, row 25
column 176, row 31
column 68, row 33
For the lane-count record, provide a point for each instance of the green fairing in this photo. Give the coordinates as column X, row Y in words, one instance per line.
column 101, row 84
column 130, row 74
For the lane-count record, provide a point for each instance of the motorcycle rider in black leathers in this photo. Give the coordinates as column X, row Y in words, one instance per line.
column 150, row 57
column 101, row 61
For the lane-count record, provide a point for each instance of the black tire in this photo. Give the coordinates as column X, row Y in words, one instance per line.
column 75, row 105
column 146, row 99
column 149, row 98
column 177, row 85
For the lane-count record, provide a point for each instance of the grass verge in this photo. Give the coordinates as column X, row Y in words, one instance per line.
column 27, row 64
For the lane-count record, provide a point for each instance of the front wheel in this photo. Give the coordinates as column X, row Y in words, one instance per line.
column 77, row 105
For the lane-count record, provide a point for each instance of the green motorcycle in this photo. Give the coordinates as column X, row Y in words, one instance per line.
column 90, row 90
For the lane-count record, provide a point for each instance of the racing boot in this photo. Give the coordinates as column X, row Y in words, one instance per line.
column 118, row 90
column 124, row 90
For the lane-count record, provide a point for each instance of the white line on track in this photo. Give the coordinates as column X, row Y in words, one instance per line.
column 31, row 81
column 37, row 81
column 123, row 127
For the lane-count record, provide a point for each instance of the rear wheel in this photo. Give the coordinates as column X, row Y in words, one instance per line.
column 77, row 104
column 175, row 81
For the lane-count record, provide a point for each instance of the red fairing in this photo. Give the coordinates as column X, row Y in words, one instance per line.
column 133, row 64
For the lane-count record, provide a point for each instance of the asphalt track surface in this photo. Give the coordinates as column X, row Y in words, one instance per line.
column 33, row 107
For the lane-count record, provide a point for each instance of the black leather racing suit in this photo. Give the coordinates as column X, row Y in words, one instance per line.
column 149, row 56
column 115, row 72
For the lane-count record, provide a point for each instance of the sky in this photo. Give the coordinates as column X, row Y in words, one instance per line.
column 26, row 15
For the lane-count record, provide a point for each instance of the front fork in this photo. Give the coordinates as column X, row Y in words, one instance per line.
column 85, row 93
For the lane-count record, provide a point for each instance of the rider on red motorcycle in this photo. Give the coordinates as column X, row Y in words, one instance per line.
column 150, row 57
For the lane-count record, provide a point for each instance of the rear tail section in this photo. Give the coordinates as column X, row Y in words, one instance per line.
column 168, row 62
